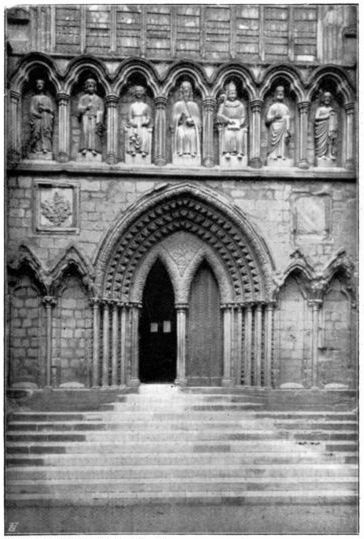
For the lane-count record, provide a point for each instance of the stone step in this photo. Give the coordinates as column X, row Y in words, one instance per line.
column 92, row 424
column 297, row 457
column 176, row 446
column 339, row 496
column 181, row 406
column 106, row 471
column 189, row 399
column 147, row 415
column 189, row 484
column 175, row 435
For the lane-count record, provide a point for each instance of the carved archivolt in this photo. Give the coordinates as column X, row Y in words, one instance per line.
column 200, row 212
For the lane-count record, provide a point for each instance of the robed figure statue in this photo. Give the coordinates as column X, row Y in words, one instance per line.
column 278, row 120
column 138, row 129
column 325, row 131
column 41, row 123
column 186, row 128
column 91, row 114
column 232, row 119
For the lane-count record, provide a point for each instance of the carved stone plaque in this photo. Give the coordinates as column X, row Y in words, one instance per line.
column 55, row 208
column 311, row 215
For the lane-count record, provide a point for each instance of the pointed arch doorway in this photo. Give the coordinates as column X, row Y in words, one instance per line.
column 157, row 330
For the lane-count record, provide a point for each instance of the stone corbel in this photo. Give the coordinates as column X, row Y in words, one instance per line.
column 209, row 104
column 111, row 102
column 303, row 109
column 160, row 151
column 63, row 101
column 255, row 133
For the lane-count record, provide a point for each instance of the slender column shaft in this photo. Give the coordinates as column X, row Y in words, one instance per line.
column 112, row 129
column 49, row 302
column 315, row 305
column 248, row 344
column 254, row 132
column 350, row 135
column 64, row 126
column 258, row 346
column 208, row 132
column 160, row 131
column 227, row 322
column 181, row 344
column 96, row 344
column 15, row 127
column 115, row 342
column 239, row 351
column 268, row 344
column 123, row 345
column 134, row 380
column 106, row 346
column 303, row 109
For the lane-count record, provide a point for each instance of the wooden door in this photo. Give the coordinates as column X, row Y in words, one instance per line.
column 204, row 344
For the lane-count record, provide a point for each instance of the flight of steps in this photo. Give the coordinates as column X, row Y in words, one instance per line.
column 164, row 444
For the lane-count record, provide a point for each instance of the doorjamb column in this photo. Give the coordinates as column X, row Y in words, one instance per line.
column 122, row 334
column 269, row 312
column 95, row 302
column 114, row 345
column 106, row 344
column 239, row 350
column 135, row 308
column 227, row 324
column 181, row 309
column 248, row 343
column 258, row 345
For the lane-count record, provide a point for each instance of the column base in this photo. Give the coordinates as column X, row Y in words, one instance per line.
column 303, row 164
column 182, row 382
column 133, row 382
column 111, row 159
column 208, row 162
column 63, row 157
column 160, row 162
column 227, row 382
column 256, row 162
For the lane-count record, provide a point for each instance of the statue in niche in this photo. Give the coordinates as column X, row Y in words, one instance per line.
column 41, row 123
column 186, row 128
column 91, row 114
column 138, row 130
column 232, row 120
column 325, row 131
column 278, row 120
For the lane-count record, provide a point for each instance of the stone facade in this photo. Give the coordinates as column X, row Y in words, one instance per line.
column 86, row 224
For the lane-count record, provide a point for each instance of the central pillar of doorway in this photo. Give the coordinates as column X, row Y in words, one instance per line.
column 181, row 309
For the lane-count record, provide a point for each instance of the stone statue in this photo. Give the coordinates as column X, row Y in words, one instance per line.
column 91, row 114
column 325, row 131
column 186, row 128
column 278, row 120
column 231, row 117
column 138, row 130
column 41, row 123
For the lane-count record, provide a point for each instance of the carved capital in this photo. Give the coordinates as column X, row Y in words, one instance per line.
column 349, row 108
column 63, row 98
column 136, row 305
column 209, row 104
column 15, row 96
column 315, row 304
column 303, row 106
column 94, row 302
column 181, row 306
column 111, row 101
column 160, row 102
column 256, row 105
column 49, row 301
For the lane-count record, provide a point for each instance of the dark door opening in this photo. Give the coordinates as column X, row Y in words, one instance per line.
column 158, row 340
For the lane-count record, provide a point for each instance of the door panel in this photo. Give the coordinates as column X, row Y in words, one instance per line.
column 204, row 360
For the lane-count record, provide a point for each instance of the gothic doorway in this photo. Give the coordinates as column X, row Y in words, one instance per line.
column 204, row 351
column 158, row 341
